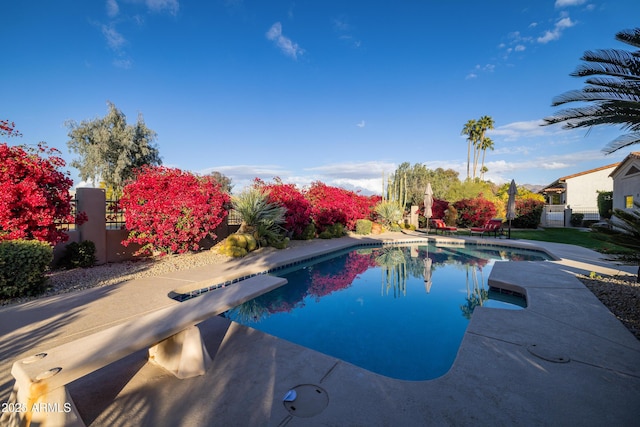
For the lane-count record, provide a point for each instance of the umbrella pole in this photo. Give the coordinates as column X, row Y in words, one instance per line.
column 509, row 229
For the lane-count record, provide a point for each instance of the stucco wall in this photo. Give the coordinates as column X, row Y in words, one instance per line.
column 626, row 183
column 582, row 191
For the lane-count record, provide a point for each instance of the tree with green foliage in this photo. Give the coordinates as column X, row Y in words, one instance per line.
column 471, row 130
column 612, row 92
column 624, row 230
column 417, row 177
column 483, row 143
column 486, row 144
column 110, row 149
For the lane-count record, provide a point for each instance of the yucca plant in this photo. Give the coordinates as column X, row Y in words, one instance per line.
column 260, row 217
column 390, row 213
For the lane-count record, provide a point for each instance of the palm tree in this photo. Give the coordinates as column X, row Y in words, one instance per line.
column 483, row 125
column 613, row 91
column 469, row 129
column 485, row 144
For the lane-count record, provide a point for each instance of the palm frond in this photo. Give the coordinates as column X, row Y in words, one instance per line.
column 630, row 37
column 622, row 141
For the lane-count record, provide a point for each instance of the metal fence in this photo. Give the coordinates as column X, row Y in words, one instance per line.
column 114, row 218
column 234, row 218
column 69, row 226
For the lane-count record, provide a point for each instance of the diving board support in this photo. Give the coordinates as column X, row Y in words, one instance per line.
column 171, row 335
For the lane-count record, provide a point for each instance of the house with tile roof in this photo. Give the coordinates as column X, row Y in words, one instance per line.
column 578, row 192
column 626, row 182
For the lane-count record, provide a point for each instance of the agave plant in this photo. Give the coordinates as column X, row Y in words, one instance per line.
column 390, row 213
column 260, row 217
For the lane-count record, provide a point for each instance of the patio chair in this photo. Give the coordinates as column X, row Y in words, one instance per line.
column 439, row 224
column 492, row 226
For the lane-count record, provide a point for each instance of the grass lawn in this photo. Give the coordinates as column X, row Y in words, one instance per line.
column 570, row 236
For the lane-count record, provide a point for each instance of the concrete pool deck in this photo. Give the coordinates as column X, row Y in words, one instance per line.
column 565, row 360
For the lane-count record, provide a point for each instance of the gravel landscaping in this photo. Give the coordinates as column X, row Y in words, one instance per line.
column 620, row 294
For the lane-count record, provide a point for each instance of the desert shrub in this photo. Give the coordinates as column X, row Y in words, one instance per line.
column 34, row 194
column 170, row 211
column 528, row 213
column 451, row 216
column 298, row 214
column 81, row 255
column 22, row 267
column 309, row 232
column 576, row 219
column 260, row 217
column 389, row 213
column 238, row 245
column 363, row 226
column 605, row 204
column 474, row 212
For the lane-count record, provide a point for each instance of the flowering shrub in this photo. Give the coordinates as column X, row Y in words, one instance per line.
column 171, row 211
column 528, row 213
column 34, row 193
column 332, row 205
column 298, row 215
column 324, row 284
column 474, row 212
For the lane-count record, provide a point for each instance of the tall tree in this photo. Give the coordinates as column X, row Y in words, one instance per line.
column 483, row 124
column 612, row 92
column 110, row 149
column 485, row 144
column 470, row 129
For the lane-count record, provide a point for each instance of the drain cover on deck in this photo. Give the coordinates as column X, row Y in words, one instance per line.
column 306, row 400
column 546, row 354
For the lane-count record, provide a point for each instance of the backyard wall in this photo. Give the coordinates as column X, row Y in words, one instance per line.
column 108, row 241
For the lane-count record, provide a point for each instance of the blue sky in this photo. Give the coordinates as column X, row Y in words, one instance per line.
column 337, row 91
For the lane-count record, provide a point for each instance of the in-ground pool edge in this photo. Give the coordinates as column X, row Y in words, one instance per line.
column 265, row 267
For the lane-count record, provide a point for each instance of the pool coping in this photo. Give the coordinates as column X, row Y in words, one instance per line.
column 563, row 360
column 193, row 290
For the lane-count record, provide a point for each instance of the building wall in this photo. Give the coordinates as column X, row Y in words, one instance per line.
column 582, row 191
column 626, row 183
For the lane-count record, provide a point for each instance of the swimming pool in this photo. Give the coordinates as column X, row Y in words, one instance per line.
column 399, row 311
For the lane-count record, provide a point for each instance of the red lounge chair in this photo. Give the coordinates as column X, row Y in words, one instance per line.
column 492, row 226
column 439, row 224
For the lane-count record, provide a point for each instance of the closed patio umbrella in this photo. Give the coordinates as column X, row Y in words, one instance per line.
column 511, row 204
column 427, row 273
column 428, row 204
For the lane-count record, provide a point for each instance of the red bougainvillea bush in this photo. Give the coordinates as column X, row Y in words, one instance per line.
column 298, row 214
column 355, row 264
column 34, row 193
column 331, row 205
column 170, row 211
column 528, row 213
column 474, row 212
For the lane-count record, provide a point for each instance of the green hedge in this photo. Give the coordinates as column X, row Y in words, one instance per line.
column 22, row 267
column 81, row 255
column 363, row 226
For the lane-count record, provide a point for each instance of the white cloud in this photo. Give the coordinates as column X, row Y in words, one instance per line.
column 556, row 33
column 566, row 3
column 171, row 6
column 112, row 8
column 526, row 129
column 359, row 170
column 115, row 40
column 286, row 45
column 125, row 64
column 361, row 124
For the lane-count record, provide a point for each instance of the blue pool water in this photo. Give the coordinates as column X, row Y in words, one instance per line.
column 397, row 311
